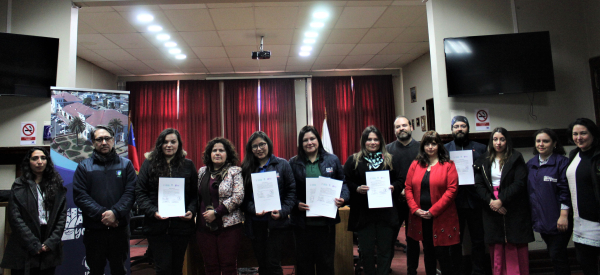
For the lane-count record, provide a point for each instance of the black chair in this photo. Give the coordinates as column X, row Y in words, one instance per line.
column 136, row 227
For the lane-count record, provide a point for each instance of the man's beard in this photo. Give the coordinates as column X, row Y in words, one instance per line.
column 405, row 138
column 460, row 139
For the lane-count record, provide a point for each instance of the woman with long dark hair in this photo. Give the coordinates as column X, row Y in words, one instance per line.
column 583, row 176
column 37, row 211
column 431, row 187
column 168, row 237
column 501, row 182
column 314, row 236
column 267, row 229
column 550, row 197
column 220, row 194
column 375, row 226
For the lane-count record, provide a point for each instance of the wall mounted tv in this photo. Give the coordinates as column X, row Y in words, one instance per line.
column 27, row 64
column 499, row 64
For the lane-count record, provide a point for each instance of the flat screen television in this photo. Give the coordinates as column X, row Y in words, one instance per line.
column 499, row 64
column 27, row 64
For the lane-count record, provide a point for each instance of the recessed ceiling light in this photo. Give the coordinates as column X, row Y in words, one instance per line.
column 317, row 24
column 145, row 17
column 181, row 56
column 304, row 53
column 321, row 15
column 163, row 37
column 155, row 28
column 306, row 48
column 174, row 51
column 311, row 34
column 309, row 41
column 170, row 44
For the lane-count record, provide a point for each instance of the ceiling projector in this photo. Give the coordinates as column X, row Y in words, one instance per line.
column 261, row 54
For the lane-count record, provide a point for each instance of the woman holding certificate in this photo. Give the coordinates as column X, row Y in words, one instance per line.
column 220, row 193
column 371, row 180
column 431, row 186
column 168, row 237
column 266, row 227
column 314, row 236
column 501, row 181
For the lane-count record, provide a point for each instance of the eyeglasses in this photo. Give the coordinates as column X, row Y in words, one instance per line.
column 260, row 145
column 100, row 139
column 460, row 126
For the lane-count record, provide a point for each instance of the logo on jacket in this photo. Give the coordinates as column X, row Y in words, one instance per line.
column 119, row 173
column 550, row 179
column 329, row 169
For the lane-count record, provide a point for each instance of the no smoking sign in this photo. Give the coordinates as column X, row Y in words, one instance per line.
column 28, row 130
column 482, row 120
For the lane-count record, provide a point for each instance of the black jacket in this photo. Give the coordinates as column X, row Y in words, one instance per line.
column 360, row 213
column 287, row 196
column 516, row 226
column 24, row 242
column 146, row 193
column 330, row 167
column 100, row 186
column 467, row 196
column 595, row 172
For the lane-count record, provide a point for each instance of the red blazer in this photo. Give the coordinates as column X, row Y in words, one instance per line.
column 443, row 186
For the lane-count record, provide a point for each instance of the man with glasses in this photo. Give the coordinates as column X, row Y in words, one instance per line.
column 103, row 188
column 468, row 203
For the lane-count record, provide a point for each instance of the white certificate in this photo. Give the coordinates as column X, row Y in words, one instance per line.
column 311, row 191
column 266, row 191
column 464, row 166
column 171, row 198
column 324, row 202
column 379, row 194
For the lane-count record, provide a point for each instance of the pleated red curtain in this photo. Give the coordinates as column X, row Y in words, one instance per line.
column 199, row 116
column 375, row 103
column 153, row 107
column 240, row 109
column 278, row 115
column 335, row 95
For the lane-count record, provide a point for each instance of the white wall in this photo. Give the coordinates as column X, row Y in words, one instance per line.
column 7, row 177
column 91, row 76
column 572, row 98
column 20, row 109
column 418, row 74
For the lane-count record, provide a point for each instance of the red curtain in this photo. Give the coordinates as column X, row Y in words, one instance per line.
column 335, row 95
column 153, row 107
column 278, row 115
column 199, row 116
column 240, row 111
column 375, row 103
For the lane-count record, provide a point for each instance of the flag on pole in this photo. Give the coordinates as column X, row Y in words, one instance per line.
column 325, row 138
column 131, row 150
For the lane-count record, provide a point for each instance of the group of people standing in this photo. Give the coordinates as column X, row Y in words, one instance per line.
column 551, row 194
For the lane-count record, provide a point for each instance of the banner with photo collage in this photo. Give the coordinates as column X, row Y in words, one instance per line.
column 74, row 115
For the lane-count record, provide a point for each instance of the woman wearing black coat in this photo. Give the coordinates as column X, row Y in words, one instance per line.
column 168, row 237
column 37, row 211
column 501, row 181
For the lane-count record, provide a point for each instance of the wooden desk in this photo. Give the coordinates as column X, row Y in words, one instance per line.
column 344, row 258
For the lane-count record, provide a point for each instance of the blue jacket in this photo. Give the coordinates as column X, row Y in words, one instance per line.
column 330, row 167
column 287, row 196
column 548, row 189
column 467, row 196
column 100, row 186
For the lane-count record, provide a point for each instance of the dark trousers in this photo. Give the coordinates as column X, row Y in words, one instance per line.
column 106, row 244
column 168, row 252
column 34, row 271
column 447, row 255
column 376, row 236
column 220, row 249
column 587, row 256
column 268, row 245
column 473, row 219
column 315, row 250
column 413, row 248
column 557, row 248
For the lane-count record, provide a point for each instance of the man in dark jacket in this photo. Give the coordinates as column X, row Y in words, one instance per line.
column 103, row 188
column 404, row 150
column 467, row 201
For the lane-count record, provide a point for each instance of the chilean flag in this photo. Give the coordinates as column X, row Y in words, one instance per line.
column 132, row 151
